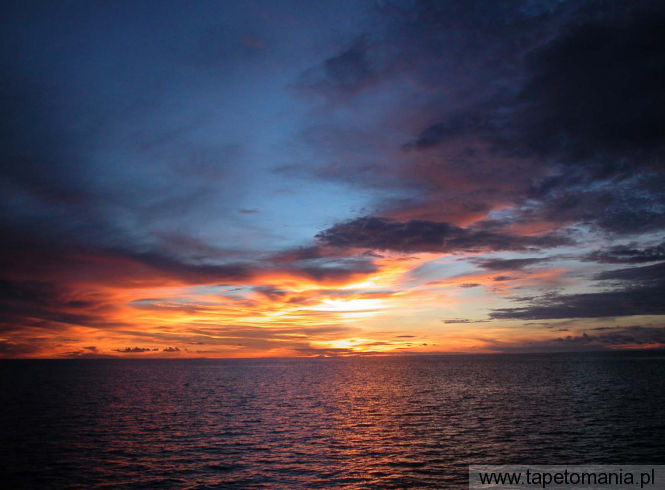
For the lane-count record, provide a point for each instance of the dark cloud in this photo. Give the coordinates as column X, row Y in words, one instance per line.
column 594, row 91
column 350, row 69
column 171, row 349
column 620, row 337
column 60, row 262
column 331, row 270
column 192, row 272
column 569, row 104
column 510, row 264
column 458, row 125
column 456, row 64
column 593, row 104
column 300, row 254
column 46, row 305
column 323, row 263
column 636, row 301
column 648, row 274
column 627, row 254
column 643, row 295
column 90, row 352
column 12, row 349
column 609, row 338
column 270, row 292
column 136, row 349
column 547, row 131
column 346, row 73
column 426, row 236
column 29, row 291
column 618, row 205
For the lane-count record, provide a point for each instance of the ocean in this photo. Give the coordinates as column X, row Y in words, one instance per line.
column 335, row 422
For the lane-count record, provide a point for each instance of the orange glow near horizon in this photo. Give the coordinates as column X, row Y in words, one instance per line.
column 388, row 311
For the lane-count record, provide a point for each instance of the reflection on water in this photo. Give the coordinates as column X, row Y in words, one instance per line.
column 396, row 421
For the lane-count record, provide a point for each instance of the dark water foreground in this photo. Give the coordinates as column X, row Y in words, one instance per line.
column 381, row 422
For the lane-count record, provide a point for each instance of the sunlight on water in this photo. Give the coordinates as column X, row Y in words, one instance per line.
column 324, row 422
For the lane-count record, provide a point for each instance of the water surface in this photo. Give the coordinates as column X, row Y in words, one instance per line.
column 387, row 422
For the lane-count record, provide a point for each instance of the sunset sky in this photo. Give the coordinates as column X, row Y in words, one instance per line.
column 257, row 179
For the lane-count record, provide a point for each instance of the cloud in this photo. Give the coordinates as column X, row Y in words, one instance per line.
column 444, row 73
column 458, row 125
column 637, row 301
column 90, row 352
column 125, row 267
column 271, row 292
column 337, row 270
column 510, row 264
column 453, row 127
column 122, row 266
column 44, row 291
column 426, row 236
column 171, row 349
column 571, row 103
column 134, row 350
column 42, row 304
column 13, row 349
column 568, row 113
column 568, row 105
column 632, row 337
column 536, row 124
column 323, row 263
column 620, row 336
column 642, row 296
column 344, row 74
column 654, row 274
column 218, row 339
column 302, row 253
column 619, row 205
column 627, row 254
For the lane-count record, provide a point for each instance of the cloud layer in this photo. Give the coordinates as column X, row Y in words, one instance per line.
column 305, row 179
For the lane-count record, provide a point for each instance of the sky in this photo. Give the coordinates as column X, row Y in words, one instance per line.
column 297, row 178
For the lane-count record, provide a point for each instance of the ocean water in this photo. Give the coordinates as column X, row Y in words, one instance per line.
column 356, row 422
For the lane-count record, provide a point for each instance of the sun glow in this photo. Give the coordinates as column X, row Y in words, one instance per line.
column 348, row 305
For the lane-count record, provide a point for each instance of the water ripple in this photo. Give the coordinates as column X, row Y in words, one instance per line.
column 361, row 422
